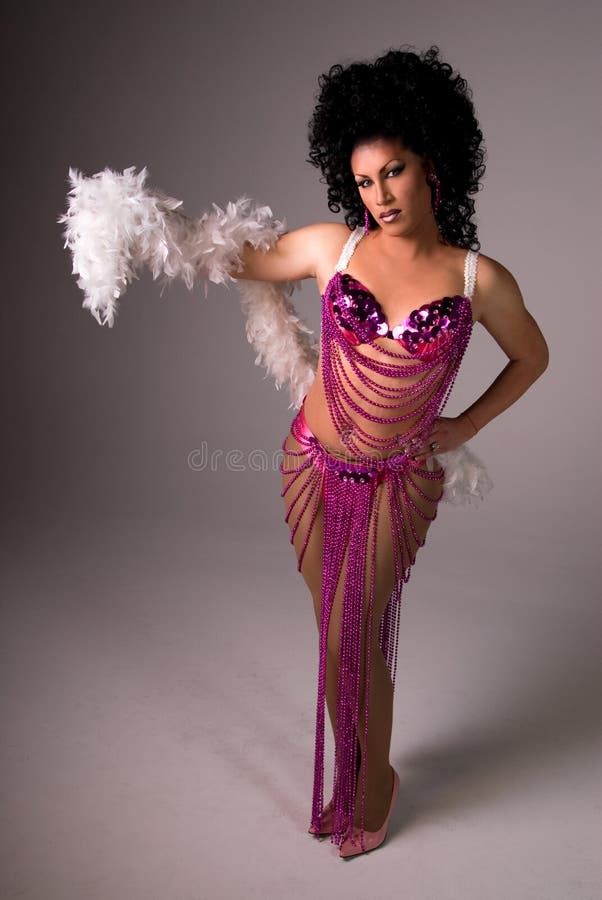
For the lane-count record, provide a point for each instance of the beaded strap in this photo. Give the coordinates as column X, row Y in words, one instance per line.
column 350, row 245
column 470, row 273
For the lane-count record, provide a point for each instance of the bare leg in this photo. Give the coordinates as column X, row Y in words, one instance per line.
column 375, row 741
column 311, row 565
column 398, row 537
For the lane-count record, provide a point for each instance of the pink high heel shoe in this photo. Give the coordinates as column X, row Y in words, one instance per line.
column 351, row 846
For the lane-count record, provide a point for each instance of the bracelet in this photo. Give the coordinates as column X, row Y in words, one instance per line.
column 472, row 423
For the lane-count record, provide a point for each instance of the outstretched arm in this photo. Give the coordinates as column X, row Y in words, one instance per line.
column 115, row 224
column 293, row 257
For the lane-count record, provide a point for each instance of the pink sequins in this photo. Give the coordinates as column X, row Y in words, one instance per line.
column 427, row 329
column 357, row 312
column 360, row 318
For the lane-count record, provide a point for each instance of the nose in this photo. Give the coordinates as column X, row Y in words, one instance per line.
column 383, row 195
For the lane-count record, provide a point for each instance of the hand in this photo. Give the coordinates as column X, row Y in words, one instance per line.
column 449, row 434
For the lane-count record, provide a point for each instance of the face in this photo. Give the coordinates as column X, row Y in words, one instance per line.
column 391, row 177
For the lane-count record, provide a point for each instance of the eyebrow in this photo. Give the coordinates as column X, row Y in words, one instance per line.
column 357, row 174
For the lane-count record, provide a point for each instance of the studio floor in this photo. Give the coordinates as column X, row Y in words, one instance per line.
column 158, row 711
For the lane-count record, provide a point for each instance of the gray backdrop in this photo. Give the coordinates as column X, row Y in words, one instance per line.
column 99, row 424
column 216, row 105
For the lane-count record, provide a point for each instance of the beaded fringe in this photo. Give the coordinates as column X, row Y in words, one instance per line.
column 351, row 499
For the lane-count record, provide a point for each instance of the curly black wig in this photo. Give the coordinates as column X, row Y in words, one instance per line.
column 406, row 95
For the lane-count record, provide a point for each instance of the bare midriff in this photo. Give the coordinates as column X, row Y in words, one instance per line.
column 317, row 415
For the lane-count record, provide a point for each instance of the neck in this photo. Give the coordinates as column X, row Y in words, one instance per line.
column 420, row 242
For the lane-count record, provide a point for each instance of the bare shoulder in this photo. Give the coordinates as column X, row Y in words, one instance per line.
column 334, row 231
column 496, row 291
column 330, row 238
column 493, row 273
column 297, row 254
column 502, row 311
column 323, row 242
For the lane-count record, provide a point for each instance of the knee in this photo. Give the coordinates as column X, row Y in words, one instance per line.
column 332, row 651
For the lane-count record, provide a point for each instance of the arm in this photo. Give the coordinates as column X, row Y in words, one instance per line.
column 294, row 256
column 514, row 329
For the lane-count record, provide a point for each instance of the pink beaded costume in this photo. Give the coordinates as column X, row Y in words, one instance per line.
column 408, row 385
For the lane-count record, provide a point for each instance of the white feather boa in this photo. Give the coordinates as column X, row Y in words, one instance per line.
column 115, row 224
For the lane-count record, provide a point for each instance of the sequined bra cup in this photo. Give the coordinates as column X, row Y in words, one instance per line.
column 358, row 314
column 430, row 342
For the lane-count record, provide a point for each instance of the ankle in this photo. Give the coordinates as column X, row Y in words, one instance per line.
column 378, row 778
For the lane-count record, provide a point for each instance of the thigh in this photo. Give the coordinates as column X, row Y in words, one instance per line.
column 413, row 495
column 304, row 510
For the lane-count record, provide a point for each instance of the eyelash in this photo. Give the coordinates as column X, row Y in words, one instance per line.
column 397, row 169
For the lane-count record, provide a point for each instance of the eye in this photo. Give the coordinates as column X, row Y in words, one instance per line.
column 396, row 171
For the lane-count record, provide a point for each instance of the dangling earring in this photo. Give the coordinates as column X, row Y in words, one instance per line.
column 430, row 176
column 366, row 219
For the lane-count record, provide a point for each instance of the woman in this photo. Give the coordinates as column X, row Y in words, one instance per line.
column 400, row 150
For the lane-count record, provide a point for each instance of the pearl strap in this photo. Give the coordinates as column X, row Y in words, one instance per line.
column 470, row 273
column 350, row 245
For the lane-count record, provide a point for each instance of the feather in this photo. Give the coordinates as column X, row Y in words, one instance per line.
column 115, row 224
column 282, row 340
column 466, row 478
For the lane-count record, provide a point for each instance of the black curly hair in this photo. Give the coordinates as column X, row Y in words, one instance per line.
column 406, row 95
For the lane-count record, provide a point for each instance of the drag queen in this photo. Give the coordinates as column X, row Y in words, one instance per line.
column 369, row 455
